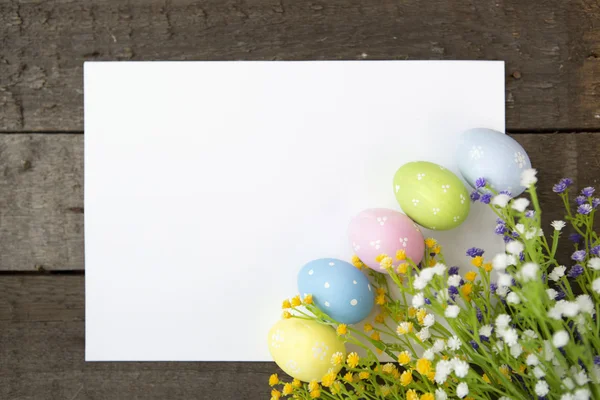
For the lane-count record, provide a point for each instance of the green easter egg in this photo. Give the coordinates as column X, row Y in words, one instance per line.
column 431, row 195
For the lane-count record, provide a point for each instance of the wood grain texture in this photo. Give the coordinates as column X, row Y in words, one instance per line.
column 41, row 206
column 552, row 47
column 41, row 202
column 42, row 336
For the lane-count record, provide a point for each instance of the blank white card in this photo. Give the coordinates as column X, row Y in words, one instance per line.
column 208, row 185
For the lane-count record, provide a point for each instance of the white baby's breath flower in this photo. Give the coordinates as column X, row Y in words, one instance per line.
column 513, row 298
column 548, row 351
column 557, row 273
column 541, row 388
column 568, row 383
column 520, row 228
column 585, row 304
column 560, row 339
column 532, row 360
column 567, row 396
column 558, row 225
column 582, row 394
column 429, row 320
column 551, row 293
column 596, row 285
column 529, row 271
column 452, row 311
column 570, row 308
column 424, row 334
column 454, row 280
column 454, row 343
column 502, row 291
column 462, row 390
column 528, row 177
column 439, row 269
column 418, row 300
column 442, row 369
column 500, row 262
column 538, row 372
column 440, row 394
column 486, row 330
column 529, row 334
column 420, row 283
column 520, row 204
column 510, row 336
column 461, row 368
column 429, row 355
column 502, row 321
column 504, row 398
column 504, row 280
column 498, row 347
column 594, row 263
column 516, row 350
column 514, row 247
column 501, row 200
column 427, row 274
column 580, row 377
column 438, row 346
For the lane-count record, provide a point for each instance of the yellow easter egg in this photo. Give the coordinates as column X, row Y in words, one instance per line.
column 303, row 348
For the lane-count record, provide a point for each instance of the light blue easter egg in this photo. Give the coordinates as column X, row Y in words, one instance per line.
column 489, row 154
column 338, row 288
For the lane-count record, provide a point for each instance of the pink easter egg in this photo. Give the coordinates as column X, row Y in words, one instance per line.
column 383, row 231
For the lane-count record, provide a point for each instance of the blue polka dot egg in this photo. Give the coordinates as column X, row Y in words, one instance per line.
column 338, row 288
column 489, row 154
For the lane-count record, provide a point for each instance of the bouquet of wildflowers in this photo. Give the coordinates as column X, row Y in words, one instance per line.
column 517, row 325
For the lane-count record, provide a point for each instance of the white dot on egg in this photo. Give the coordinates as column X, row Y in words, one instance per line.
column 326, row 285
column 354, row 282
column 353, row 302
column 326, row 304
column 332, row 264
column 311, row 272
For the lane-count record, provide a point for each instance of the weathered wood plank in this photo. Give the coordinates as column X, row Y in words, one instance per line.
column 42, row 336
column 41, row 201
column 551, row 47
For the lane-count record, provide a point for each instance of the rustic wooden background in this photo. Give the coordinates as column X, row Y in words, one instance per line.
column 551, row 49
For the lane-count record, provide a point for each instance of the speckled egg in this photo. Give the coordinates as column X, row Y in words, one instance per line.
column 431, row 195
column 383, row 231
column 494, row 156
column 339, row 289
column 303, row 348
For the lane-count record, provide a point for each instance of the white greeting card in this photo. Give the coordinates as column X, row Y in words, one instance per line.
column 209, row 184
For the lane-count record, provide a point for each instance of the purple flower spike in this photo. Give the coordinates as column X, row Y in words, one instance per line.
column 597, row 360
column 427, row 301
column 575, row 271
column 579, row 255
column 486, row 198
column 475, row 195
column 559, row 187
column 500, row 229
column 596, row 202
column 584, row 209
column 575, row 237
column 453, row 271
column 580, row 200
column 588, row 191
column 506, row 192
column 529, row 213
column 480, row 183
column 493, row 287
column 474, row 345
column 507, row 239
column 567, row 181
column 595, row 250
column 475, row 252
